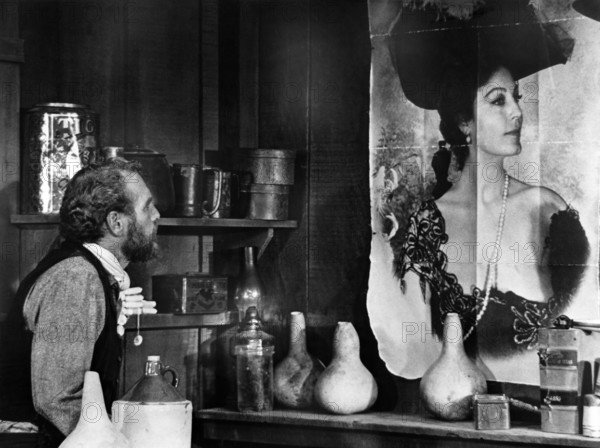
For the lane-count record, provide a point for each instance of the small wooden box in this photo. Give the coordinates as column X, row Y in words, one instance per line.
column 190, row 293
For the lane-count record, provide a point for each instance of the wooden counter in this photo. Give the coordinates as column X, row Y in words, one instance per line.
column 370, row 430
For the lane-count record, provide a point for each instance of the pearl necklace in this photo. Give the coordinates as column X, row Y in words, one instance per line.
column 493, row 262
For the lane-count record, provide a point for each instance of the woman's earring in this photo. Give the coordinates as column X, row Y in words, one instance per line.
column 453, row 171
column 468, row 139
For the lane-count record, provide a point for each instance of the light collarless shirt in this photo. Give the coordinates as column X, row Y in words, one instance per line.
column 110, row 263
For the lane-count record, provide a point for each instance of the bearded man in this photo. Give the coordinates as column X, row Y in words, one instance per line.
column 78, row 298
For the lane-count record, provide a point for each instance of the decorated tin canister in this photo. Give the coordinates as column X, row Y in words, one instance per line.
column 491, row 411
column 58, row 140
column 560, row 385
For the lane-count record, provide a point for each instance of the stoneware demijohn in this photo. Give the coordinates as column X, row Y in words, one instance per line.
column 448, row 386
column 346, row 386
column 94, row 429
column 296, row 375
column 153, row 414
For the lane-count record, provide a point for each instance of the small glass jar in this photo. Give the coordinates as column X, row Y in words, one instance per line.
column 254, row 365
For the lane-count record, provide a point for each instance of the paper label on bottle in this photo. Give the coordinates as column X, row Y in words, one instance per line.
column 558, row 357
column 552, row 397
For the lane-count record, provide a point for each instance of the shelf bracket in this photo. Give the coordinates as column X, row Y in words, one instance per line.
column 259, row 238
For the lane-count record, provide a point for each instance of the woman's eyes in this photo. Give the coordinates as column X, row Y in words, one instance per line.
column 500, row 100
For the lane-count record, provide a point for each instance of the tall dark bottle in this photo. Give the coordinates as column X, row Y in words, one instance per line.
column 250, row 290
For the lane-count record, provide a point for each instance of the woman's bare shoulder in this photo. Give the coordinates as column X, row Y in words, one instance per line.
column 548, row 200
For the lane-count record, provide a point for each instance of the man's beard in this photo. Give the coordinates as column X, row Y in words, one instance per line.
column 138, row 247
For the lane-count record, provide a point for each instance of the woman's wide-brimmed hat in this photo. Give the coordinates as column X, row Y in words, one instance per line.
column 433, row 39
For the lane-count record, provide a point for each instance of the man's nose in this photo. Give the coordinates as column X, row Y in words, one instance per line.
column 155, row 213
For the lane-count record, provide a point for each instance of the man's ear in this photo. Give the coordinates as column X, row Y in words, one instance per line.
column 116, row 223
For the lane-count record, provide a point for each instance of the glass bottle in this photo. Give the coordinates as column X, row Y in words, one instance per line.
column 250, row 290
column 253, row 351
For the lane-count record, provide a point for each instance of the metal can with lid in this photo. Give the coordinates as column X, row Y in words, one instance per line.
column 58, row 140
column 560, row 384
column 271, row 166
column 491, row 411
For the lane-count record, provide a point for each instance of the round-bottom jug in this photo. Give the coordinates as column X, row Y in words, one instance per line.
column 152, row 414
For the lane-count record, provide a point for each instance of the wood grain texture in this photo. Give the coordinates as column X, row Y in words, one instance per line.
column 248, row 74
column 46, row 220
column 182, row 321
column 210, row 74
column 9, row 162
column 11, row 49
column 283, row 71
column 40, row 80
column 375, row 429
column 18, row 440
column 339, row 222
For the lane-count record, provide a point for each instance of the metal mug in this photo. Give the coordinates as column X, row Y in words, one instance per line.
column 187, row 181
column 218, row 186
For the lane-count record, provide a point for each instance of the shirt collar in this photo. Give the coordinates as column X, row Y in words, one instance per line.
column 110, row 263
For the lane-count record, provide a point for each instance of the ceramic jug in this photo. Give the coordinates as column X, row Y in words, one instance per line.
column 346, row 386
column 153, row 414
column 448, row 386
column 296, row 375
column 94, row 429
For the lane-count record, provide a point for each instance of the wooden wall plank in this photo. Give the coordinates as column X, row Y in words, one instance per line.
column 282, row 123
column 40, row 81
column 228, row 69
column 9, row 175
column 209, row 74
column 9, row 19
column 339, row 198
column 339, row 157
column 248, row 74
column 162, row 50
column 11, row 49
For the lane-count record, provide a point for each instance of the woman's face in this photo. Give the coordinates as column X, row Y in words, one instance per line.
column 498, row 116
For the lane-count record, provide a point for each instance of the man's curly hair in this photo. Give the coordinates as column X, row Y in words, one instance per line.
column 91, row 195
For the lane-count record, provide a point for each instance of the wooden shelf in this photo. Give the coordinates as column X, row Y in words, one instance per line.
column 231, row 233
column 26, row 220
column 179, row 321
column 368, row 430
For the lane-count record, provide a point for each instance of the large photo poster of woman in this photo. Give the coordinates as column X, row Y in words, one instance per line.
column 484, row 157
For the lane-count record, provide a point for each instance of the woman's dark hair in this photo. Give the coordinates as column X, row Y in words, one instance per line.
column 91, row 195
column 457, row 97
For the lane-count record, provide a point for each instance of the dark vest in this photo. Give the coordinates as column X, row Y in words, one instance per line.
column 108, row 349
